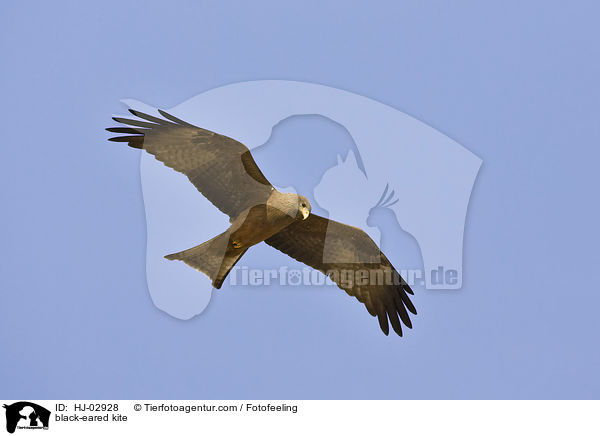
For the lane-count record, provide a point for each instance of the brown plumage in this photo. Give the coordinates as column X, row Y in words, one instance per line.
column 223, row 170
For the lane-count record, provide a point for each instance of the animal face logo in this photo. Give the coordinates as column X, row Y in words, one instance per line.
column 26, row 415
column 406, row 184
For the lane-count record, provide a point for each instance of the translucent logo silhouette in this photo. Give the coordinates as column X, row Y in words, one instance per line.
column 406, row 174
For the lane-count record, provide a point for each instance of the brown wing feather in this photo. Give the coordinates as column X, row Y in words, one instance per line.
column 221, row 168
column 346, row 254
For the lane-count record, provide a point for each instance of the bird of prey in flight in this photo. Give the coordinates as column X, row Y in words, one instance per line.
column 223, row 170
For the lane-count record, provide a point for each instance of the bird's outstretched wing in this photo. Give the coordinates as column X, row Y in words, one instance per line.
column 221, row 168
column 351, row 259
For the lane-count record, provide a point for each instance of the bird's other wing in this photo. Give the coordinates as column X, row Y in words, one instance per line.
column 354, row 262
column 221, row 168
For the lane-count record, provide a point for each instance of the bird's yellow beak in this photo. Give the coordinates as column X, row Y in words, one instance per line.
column 305, row 213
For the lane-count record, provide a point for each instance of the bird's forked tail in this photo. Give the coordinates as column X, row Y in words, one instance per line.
column 215, row 258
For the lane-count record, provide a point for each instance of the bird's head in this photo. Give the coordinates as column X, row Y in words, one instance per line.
column 303, row 207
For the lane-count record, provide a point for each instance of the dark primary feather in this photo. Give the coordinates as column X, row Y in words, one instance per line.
column 327, row 246
column 221, row 168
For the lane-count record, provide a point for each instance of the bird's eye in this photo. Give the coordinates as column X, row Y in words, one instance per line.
column 303, row 204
